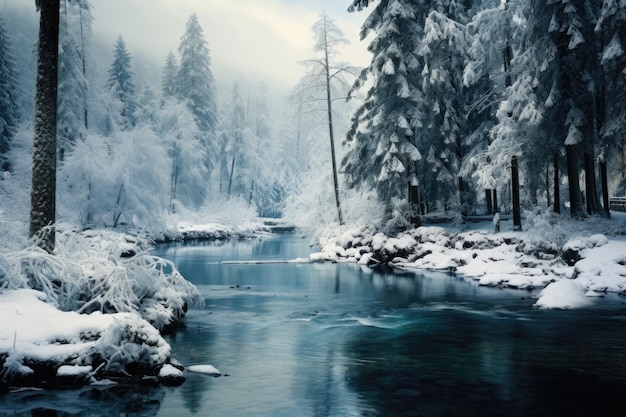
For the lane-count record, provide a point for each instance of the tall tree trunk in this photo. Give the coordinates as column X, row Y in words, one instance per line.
column 43, row 193
column 414, row 204
column 575, row 200
column 517, row 213
column 557, row 184
column 230, row 179
column 330, row 124
column 593, row 205
column 605, row 189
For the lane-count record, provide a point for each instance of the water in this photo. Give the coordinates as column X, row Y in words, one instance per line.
column 340, row 340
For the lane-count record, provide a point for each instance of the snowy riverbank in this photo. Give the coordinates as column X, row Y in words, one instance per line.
column 93, row 312
column 90, row 313
column 573, row 261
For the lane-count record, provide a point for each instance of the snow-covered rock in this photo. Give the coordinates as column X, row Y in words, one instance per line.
column 204, row 369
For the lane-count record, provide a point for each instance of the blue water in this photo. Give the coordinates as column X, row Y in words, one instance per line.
column 299, row 339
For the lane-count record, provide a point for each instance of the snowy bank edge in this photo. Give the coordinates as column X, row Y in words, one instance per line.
column 507, row 260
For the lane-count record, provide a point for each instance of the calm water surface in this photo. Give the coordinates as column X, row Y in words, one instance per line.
column 340, row 340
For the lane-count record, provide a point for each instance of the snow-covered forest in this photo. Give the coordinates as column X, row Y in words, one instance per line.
column 454, row 90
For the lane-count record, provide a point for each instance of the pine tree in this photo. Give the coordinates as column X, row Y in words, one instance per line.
column 443, row 48
column 75, row 31
column 195, row 77
column 43, row 193
column 196, row 87
column 383, row 152
column 612, row 113
column 121, row 84
column 169, row 76
column 9, row 116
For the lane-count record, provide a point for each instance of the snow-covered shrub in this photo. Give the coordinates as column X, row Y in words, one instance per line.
column 102, row 271
column 37, row 337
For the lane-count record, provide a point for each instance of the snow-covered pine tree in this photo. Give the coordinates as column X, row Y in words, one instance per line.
column 121, row 85
column 169, row 76
column 572, row 31
column 177, row 128
column 485, row 78
column 382, row 141
column 72, row 112
column 444, row 48
column 196, row 86
column 611, row 30
column 43, row 192
column 9, row 116
column 236, row 126
column 273, row 168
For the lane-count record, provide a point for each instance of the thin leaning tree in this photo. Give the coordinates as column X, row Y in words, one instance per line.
column 324, row 77
column 43, row 193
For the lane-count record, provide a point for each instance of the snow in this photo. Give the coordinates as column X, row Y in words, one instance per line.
column 527, row 260
column 74, row 370
column 204, row 369
column 32, row 330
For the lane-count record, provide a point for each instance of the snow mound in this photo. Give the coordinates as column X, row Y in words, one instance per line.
column 204, row 369
column 563, row 294
column 35, row 332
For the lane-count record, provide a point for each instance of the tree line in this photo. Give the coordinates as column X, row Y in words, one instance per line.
column 455, row 88
column 125, row 152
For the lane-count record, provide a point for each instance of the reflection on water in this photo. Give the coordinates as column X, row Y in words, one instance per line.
column 341, row 340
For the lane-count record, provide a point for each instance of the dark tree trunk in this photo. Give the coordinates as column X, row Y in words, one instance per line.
column 495, row 201
column 489, row 201
column 549, row 203
column 517, row 212
column 43, row 193
column 329, row 102
column 557, row 184
column 593, row 205
column 575, row 200
column 605, row 189
column 414, row 205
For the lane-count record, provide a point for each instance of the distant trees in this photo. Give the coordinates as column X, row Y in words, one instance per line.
column 74, row 36
column 196, row 86
column 121, row 85
column 9, row 115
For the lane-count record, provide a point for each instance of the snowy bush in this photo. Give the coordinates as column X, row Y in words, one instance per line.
column 36, row 336
column 102, row 271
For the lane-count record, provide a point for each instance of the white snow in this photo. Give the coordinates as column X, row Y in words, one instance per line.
column 168, row 370
column 204, row 369
column 32, row 329
column 74, row 370
column 525, row 260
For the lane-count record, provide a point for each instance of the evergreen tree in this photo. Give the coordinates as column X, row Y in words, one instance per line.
column 195, row 77
column 383, row 137
column 169, row 76
column 486, row 78
column 196, row 86
column 75, row 32
column 9, row 116
column 121, row 85
column 236, row 129
column 443, row 48
column 611, row 28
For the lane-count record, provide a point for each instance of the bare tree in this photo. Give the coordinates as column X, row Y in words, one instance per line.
column 43, row 194
column 323, row 78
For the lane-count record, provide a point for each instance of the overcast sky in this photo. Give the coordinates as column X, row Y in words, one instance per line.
column 249, row 40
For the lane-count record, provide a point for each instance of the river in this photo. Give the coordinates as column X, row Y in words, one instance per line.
column 301, row 339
